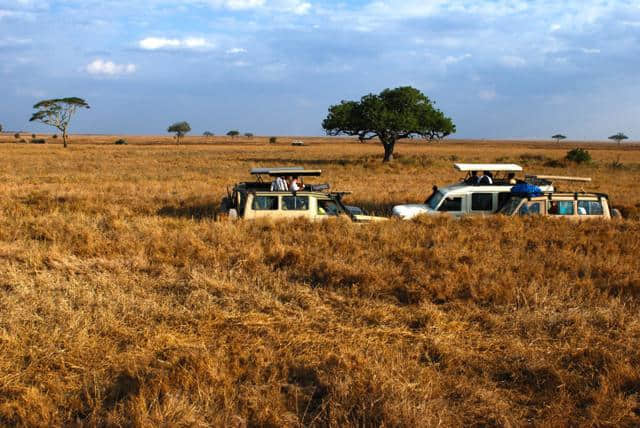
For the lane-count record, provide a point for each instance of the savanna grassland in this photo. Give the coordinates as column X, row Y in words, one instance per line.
column 123, row 303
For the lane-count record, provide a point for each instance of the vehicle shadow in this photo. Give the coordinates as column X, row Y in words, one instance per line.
column 194, row 212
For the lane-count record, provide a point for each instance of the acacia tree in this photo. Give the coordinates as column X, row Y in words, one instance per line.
column 394, row 114
column 58, row 113
column 180, row 128
column 618, row 137
column 558, row 137
column 233, row 133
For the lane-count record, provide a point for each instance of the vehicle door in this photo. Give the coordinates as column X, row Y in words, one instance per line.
column 482, row 203
column 261, row 206
column 454, row 205
column 591, row 209
column 296, row 206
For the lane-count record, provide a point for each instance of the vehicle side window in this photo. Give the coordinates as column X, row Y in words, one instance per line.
column 295, row 203
column 263, row 203
column 451, row 204
column 590, row 208
column 530, row 208
column 561, row 207
column 327, row 208
column 482, row 202
column 503, row 198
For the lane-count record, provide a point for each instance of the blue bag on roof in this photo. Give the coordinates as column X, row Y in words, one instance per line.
column 526, row 189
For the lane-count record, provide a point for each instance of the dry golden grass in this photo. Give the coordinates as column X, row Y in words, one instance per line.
column 123, row 303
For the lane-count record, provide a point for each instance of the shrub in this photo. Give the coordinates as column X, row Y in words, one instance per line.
column 16, row 135
column 248, row 134
column 273, row 140
column 55, row 136
column 121, row 142
column 38, row 141
column 555, row 163
column 33, row 136
column 578, row 155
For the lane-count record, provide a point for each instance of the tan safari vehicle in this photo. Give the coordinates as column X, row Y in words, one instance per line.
column 265, row 199
column 576, row 206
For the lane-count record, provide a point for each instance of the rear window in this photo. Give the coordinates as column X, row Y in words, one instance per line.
column 453, row 204
column 295, row 203
column 482, row 202
column 264, row 203
column 590, row 208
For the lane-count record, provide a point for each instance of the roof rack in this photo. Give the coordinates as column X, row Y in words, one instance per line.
column 508, row 167
column 551, row 178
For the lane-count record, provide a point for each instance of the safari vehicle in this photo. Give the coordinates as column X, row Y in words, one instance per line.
column 465, row 198
column 576, row 206
column 256, row 199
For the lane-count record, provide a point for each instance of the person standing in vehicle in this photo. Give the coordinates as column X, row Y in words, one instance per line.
column 511, row 178
column 296, row 185
column 473, row 179
column 486, row 178
column 279, row 185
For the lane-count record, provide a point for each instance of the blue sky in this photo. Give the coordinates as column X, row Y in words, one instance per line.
column 500, row 69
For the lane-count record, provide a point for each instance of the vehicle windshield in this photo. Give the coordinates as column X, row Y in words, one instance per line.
column 434, row 200
column 510, row 206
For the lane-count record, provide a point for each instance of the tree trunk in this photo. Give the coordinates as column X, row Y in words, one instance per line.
column 64, row 138
column 388, row 150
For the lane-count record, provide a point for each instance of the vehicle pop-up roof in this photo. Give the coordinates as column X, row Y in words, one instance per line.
column 545, row 180
column 506, row 167
column 286, row 170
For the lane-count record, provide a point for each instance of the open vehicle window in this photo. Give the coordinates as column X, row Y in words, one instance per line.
column 482, row 202
column 264, row 203
column 510, row 206
column 530, row 208
column 451, row 204
column 295, row 203
column 326, row 207
column 560, row 208
column 590, row 208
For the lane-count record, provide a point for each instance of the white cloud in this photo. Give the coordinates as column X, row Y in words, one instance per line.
column 157, row 43
column 12, row 41
column 590, row 51
column 513, row 61
column 234, row 51
column 455, row 59
column 100, row 67
column 487, row 94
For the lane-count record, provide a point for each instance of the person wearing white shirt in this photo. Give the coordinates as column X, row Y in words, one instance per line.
column 279, row 185
column 296, row 186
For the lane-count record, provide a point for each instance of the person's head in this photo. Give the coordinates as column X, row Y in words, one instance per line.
column 474, row 173
column 511, row 175
column 487, row 173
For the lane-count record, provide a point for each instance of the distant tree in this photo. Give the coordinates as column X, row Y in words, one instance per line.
column 558, row 137
column 233, row 133
column 0, row 127
column 58, row 113
column 619, row 137
column 180, row 128
column 273, row 140
column 392, row 115
column 208, row 134
column 33, row 135
column 248, row 134
column 54, row 136
column 16, row 135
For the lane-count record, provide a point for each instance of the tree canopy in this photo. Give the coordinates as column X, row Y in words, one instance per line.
column 208, row 134
column 58, row 113
column 233, row 133
column 618, row 137
column 180, row 129
column 393, row 114
column 558, row 137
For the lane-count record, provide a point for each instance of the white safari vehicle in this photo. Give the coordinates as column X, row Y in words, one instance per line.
column 267, row 199
column 577, row 206
column 471, row 196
